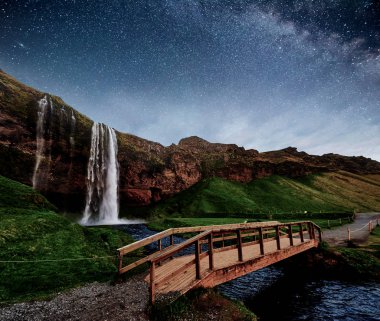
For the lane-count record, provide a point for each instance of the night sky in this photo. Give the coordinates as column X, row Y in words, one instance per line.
column 261, row 74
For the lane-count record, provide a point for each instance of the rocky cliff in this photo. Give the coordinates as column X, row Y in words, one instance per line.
column 148, row 171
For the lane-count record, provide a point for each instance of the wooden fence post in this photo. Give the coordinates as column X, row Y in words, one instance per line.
column 310, row 227
column 349, row 233
column 197, row 261
column 160, row 245
column 172, row 239
column 301, row 232
column 278, row 237
column 261, row 241
column 239, row 246
column 120, row 262
column 290, row 233
column 210, row 252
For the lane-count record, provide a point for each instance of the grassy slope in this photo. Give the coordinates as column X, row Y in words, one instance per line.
column 31, row 230
column 329, row 192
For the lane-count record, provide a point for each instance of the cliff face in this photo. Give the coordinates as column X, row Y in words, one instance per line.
column 148, row 170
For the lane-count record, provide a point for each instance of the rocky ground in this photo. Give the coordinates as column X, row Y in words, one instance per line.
column 127, row 301
column 93, row 302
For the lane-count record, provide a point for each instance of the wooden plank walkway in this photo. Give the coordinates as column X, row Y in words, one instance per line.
column 220, row 253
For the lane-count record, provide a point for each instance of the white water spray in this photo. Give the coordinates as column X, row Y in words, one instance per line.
column 102, row 204
column 42, row 111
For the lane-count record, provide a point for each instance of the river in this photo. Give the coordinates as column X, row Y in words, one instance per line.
column 273, row 294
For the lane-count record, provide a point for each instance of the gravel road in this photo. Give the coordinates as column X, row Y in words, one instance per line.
column 94, row 302
column 339, row 235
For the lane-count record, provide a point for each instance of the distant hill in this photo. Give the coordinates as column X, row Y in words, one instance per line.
column 326, row 192
column 149, row 172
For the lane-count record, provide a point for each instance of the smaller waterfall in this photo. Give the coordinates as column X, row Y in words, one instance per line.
column 72, row 131
column 41, row 118
column 102, row 204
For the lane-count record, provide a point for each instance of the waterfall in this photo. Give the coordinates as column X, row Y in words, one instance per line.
column 72, row 131
column 102, row 206
column 41, row 118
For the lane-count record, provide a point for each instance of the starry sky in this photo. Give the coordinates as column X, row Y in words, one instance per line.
column 263, row 74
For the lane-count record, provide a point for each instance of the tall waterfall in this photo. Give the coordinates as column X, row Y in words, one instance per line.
column 41, row 118
column 102, row 206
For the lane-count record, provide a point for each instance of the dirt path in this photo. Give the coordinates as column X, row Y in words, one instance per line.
column 338, row 236
column 94, row 302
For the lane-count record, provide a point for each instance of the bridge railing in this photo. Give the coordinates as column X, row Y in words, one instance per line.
column 213, row 239
column 169, row 233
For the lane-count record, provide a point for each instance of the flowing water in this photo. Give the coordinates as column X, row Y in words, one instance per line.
column 102, row 205
column 102, row 200
column 273, row 294
column 40, row 139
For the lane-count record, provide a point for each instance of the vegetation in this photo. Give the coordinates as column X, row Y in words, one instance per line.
column 329, row 192
column 42, row 252
column 365, row 258
column 197, row 304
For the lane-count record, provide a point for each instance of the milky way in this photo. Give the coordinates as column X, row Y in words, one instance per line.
column 261, row 74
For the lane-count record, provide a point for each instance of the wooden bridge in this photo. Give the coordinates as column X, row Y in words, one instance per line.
column 217, row 254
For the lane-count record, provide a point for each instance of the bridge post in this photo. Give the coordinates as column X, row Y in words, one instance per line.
column 197, row 261
column 261, row 241
column 160, row 244
column 320, row 234
column 290, row 233
column 172, row 239
column 278, row 241
column 311, row 231
column 301, row 232
column 119, row 262
column 239, row 246
column 211, row 252
column 152, row 285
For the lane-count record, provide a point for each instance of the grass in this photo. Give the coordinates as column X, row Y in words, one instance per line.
column 200, row 302
column 361, row 261
column 169, row 222
column 322, row 193
column 32, row 231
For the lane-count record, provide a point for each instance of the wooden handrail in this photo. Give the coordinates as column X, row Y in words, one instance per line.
column 244, row 234
column 179, row 247
column 215, row 229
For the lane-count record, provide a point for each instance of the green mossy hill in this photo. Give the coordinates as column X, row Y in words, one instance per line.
column 328, row 192
column 17, row 195
column 39, row 248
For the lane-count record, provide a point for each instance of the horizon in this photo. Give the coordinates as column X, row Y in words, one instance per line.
column 262, row 76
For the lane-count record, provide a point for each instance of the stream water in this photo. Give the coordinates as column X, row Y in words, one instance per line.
column 273, row 294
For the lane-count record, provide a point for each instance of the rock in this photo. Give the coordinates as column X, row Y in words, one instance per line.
column 149, row 171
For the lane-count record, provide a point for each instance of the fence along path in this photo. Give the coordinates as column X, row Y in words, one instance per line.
column 216, row 254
